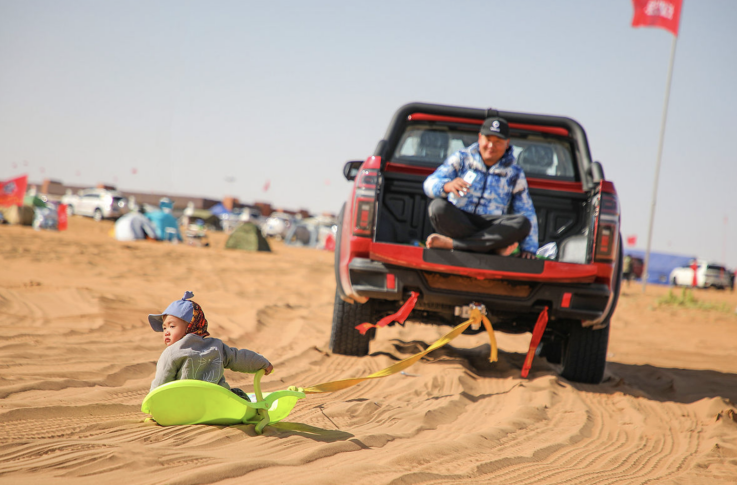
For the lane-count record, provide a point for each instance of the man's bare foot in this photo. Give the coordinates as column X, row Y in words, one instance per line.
column 438, row 241
column 508, row 250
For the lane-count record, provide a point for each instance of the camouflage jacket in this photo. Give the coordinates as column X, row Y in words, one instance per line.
column 496, row 190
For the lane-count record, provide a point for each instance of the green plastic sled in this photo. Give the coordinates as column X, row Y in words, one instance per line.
column 198, row 402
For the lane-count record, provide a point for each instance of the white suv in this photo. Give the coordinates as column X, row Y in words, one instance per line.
column 708, row 275
column 96, row 203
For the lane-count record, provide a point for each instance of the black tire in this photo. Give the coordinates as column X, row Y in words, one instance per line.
column 584, row 354
column 97, row 215
column 344, row 338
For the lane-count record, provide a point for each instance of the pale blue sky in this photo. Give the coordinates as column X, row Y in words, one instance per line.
column 193, row 93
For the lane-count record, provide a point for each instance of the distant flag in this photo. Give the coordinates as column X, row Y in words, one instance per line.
column 77, row 173
column 134, row 171
column 62, row 217
column 42, row 170
column 665, row 14
column 267, row 185
column 631, row 240
column 12, row 191
column 327, row 181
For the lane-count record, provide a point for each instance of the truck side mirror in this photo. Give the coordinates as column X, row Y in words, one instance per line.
column 350, row 170
column 597, row 172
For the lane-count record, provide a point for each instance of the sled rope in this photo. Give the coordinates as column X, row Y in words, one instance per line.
column 475, row 318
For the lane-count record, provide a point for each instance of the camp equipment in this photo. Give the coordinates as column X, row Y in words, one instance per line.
column 247, row 237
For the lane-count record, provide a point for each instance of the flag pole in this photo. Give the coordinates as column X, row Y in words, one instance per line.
column 657, row 164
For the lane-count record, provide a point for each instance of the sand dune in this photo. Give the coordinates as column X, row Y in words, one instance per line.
column 78, row 357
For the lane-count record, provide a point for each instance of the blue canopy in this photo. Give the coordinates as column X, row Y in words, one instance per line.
column 661, row 264
column 218, row 209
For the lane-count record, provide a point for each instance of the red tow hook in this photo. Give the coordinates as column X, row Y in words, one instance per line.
column 537, row 334
column 399, row 317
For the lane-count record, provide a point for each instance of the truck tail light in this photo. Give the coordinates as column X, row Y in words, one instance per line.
column 606, row 246
column 364, row 202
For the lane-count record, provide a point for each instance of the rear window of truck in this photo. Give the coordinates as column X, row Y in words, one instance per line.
column 539, row 155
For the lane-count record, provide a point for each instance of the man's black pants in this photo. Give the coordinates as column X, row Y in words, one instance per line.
column 473, row 232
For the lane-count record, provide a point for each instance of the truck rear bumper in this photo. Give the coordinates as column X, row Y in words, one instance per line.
column 439, row 290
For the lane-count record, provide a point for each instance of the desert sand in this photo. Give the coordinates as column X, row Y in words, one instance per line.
column 78, row 356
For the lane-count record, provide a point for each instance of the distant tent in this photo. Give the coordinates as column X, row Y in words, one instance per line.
column 210, row 220
column 34, row 201
column 219, row 209
column 133, row 226
column 248, row 237
column 661, row 264
column 310, row 233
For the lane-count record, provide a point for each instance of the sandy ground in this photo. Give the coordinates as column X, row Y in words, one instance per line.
column 78, row 356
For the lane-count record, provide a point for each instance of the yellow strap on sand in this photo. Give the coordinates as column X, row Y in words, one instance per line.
column 476, row 318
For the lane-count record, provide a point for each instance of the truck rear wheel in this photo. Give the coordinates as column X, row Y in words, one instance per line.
column 344, row 338
column 584, row 354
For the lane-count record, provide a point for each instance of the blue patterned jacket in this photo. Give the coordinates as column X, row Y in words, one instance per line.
column 496, row 190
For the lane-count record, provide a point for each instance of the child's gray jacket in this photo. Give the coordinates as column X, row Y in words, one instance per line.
column 195, row 357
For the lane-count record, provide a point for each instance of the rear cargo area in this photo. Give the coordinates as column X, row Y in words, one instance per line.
column 402, row 216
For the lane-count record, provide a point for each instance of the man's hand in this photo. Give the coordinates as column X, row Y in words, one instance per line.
column 527, row 255
column 457, row 186
column 268, row 370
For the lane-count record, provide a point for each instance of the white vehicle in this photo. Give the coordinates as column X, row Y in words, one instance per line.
column 96, row 203
column 708, row 275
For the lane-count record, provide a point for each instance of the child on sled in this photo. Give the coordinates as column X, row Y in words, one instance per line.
column 190, row 354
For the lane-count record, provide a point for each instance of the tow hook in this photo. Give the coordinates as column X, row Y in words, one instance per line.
column 465, row 312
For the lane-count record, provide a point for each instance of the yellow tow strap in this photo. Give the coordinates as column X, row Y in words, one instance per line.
column 476, row 318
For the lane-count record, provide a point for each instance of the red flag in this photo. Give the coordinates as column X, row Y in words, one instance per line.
column 665, row 14
column 61, row 214
column 631, row 240
column 12, row 191
column 267, row 185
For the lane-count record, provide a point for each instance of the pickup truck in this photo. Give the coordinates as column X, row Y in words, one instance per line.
column 380, row 256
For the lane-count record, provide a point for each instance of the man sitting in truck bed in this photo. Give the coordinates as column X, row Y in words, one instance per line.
column 474, row 189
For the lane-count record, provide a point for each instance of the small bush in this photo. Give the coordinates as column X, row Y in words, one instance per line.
column 688, row 300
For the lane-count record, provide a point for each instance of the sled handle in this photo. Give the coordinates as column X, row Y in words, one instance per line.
column 264, row 413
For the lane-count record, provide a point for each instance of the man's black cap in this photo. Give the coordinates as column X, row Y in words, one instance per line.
column 495, row 126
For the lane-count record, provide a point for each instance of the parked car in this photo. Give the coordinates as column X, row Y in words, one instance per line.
column 96, row 203
column 708, row 275
column 380, row 258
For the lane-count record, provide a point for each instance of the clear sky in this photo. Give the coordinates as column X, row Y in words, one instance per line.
column 214, row 98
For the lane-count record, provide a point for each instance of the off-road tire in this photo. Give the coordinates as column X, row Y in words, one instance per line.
column 344, row 338
column 97, row 215
column 584, row 354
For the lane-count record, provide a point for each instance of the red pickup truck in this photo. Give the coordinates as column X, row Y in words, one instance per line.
column 380, row 256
